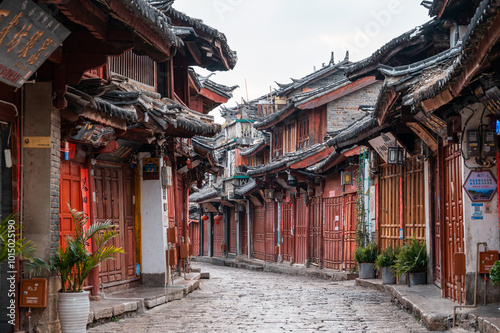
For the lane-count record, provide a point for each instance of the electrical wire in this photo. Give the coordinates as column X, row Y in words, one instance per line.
column 462, row 138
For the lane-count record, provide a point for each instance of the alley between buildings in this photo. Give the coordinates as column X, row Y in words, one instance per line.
column 235, row 300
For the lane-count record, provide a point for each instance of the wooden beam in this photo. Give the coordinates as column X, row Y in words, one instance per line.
column 386, row 105
column 338, row 93
column 185, row 168
column 424, row 135
column 227, row 203
column 195, row 52
column 256, row 201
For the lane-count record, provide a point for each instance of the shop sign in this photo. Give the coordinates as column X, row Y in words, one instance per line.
column 480, row 186
column 28, row 36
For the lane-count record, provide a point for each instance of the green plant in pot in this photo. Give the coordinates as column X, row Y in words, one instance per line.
column 366, row 257
column 385, row 260
column 411, row 261
column 495, row 273
column 73, row 263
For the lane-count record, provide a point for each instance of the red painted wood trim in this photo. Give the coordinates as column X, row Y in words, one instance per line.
column 338, row 93
column 213, row 96
column 313, row 159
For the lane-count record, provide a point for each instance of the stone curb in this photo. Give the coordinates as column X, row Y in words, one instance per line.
column 119, row 308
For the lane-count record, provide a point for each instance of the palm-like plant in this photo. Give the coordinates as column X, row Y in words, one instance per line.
column 412, row 258
column 74, row 262
column 9, row 233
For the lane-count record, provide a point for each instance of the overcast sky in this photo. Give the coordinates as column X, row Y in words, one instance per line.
column 279, row 39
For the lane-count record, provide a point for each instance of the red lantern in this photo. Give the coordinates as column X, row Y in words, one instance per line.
column 217, row 219
column 204, row 217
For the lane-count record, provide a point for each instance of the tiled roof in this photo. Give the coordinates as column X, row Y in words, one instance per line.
column 253, row 148
column 248, row 187
column 204, row 194
column 205, row 82
column 287, row 160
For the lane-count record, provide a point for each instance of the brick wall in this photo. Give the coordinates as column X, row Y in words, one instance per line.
column 344, row 111
column 55, row 169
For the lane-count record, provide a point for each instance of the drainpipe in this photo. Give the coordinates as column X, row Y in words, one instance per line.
column 475, row 286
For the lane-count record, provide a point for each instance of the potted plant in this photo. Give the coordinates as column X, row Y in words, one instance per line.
column 73, row 263
column 495, row 273
column 411, row 261
column 385, row 260
column 366, row 257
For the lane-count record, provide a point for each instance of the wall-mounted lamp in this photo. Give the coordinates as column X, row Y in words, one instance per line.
column 346, row 178
column 292, row 181
column 396, row 155
column 270, row 194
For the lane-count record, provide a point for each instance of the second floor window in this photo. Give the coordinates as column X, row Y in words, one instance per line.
column 278, row 142
column 303, row 133
column 290, row 137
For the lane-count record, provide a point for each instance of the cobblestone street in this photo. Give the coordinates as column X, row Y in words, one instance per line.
column 236, row 300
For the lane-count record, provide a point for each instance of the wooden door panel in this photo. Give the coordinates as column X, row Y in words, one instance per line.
column 286, row 242
column 206, row 230
column 270, row 222
column 315, row 229
column 232, row 231
column 71, row 194
column 301, row 231
column 244, row 226
column 333, row 239
column 453, row 217
column 259, row 233
column 350, row 222
column 218, row 238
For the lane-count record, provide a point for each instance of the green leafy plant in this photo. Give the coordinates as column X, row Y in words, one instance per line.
column 73, row 262
column 412, row 258
column 366, row 254
column 495, row 273
column 387, row 257
column 10, row 242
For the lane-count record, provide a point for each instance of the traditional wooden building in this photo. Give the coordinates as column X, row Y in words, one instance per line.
column 91, row 113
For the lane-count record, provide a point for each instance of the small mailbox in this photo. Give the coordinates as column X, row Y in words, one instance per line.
column 173, row 260
column 33, row 293
column 172, row 235
column 185, row 250
column 486, row 261
column 459, row 263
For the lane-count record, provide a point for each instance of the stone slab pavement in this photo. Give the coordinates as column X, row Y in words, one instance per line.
column 243, row 300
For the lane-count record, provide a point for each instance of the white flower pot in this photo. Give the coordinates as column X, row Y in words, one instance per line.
column 74, row 311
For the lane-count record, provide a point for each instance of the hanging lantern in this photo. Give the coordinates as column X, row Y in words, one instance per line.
column 292, row 181
column 217, row 219
column 204, row 217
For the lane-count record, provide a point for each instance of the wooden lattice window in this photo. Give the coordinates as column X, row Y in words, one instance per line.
column 278, row 142
column 290, row 137
column 139, row 68
column 303, row 133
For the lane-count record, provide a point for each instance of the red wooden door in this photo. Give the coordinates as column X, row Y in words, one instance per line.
column 218, row 238
column 286, row 242
column 315, row 229
column 206, row 230
column 350, row 220
column 194, row 236
column 333, row 239
column 301, row 231
column 71, row 194
column 453, row 216
column 259, row 231
column 232, row 231
column 109, row 194
column 129, row 224
column 270, row 229
column 437, row 239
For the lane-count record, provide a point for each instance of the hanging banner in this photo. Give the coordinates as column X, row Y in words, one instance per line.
column 84, row 184
column 28, row 36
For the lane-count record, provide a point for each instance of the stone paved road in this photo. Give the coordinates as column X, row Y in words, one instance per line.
column 236, row 300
